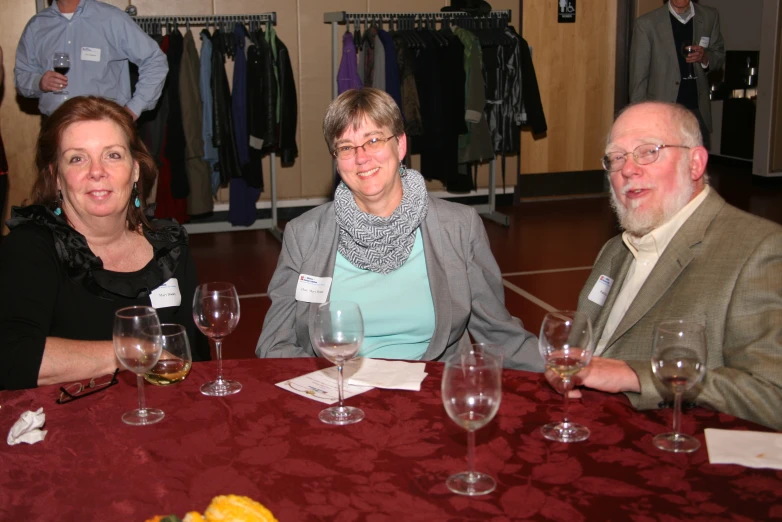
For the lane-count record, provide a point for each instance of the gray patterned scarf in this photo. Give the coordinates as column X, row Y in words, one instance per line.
column 381, row 244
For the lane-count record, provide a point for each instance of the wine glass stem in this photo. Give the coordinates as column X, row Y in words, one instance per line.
column 470, row 453
column 339, row 384
column 142, row 403
column 566, row 400
column 219, row 355
column 677, row 412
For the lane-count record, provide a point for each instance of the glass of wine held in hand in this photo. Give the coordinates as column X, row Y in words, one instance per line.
column 137, row 345
column 565, row 343
column 679, row 362
column 687, row 49
column 216, row 314
column 61, row 65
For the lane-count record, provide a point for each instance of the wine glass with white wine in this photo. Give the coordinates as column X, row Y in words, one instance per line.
column 679, row 362
column 472, row 391
column 565, row 343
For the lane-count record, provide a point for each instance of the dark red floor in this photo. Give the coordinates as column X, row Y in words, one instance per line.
column 544, row 255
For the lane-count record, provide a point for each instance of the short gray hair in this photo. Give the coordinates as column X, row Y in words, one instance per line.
column 352, row 106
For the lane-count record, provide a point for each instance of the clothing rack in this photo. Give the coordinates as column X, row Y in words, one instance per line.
column 487, row 210
column 270, row 224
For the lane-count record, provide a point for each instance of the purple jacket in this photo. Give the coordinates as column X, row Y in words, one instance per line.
column 347, row 76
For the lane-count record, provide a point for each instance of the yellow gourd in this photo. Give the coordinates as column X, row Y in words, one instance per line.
column 232, row 508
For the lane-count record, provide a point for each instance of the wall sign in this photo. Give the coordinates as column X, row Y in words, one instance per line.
column 567, row 12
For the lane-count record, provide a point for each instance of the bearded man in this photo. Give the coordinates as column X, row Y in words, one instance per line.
column 684, row 254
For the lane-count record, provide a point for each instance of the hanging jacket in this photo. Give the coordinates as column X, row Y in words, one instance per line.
column 223, row 132
column 199, row 201
column 288, row 111
column 266, row 124
column 347, row 76
column 175, row 134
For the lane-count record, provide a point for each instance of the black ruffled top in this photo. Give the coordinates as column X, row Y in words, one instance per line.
column 167, row 238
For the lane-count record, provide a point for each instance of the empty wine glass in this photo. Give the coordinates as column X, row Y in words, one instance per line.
column 679, row 362
column 338, row 333
column 216, row 314
column 565, row 343
column 137, row 345
column 61, row 64
column 471, row 391
column 687, row 49
column 175, row 358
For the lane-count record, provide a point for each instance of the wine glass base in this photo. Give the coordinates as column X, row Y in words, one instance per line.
column 676, row 442
column 471, row 484
column 565, row 432
column 221, row 388
column 339, row 416
column 143, row 417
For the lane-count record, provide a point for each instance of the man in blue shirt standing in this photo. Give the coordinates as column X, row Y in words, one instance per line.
column 100, row 40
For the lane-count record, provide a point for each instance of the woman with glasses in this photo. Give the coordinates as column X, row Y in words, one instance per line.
column 85, row 248
column 420, row 268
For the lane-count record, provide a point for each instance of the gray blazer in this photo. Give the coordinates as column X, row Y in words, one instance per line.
column 464, row 278
column 723, row 268
column 654, row 62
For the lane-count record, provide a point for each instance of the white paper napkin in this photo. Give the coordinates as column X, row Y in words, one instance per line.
column 395, row 375
column 753, row 449
column 28, row 428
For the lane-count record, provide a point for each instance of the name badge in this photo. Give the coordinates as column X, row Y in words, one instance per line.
column 166, row 295
column 600, row 290
column 91, row 54
column 311, row 289
column 704, row 41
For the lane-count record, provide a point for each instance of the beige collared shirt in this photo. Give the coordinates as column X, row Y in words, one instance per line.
column 646, row 252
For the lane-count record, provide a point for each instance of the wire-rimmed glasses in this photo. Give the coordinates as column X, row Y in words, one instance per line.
column 349, row 151
column 77, row 390
column 642, row 154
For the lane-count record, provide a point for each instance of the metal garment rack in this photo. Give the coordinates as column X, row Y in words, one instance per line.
column 269, row 224
column 487, row 210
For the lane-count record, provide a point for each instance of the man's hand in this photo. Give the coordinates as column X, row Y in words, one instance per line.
column 132, row 114
column 697, row 54
column 608, row 375
column 53, row 82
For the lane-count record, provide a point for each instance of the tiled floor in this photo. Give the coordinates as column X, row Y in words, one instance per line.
column 545, row 255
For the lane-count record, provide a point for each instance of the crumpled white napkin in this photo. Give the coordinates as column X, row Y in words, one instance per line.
column 396, row 375
column 28, row 428
column 754, row 449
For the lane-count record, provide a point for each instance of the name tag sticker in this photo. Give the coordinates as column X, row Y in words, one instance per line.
column 704, row 41
column 311, row 289
column 91, row 54
column 166, row 295
column 600, row 290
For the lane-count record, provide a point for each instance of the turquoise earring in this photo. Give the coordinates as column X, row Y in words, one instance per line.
column 137, row 201
column 58, row 210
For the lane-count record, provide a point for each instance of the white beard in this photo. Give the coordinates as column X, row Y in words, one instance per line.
column 640, row 223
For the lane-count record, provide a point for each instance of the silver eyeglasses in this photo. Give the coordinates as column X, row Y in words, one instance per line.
column 643, row 155
column 349, row 151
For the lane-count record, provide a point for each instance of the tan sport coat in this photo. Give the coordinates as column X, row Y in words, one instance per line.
column 722, row 268
column 654, row 62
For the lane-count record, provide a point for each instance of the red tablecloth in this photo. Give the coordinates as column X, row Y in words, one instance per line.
column 268, row 444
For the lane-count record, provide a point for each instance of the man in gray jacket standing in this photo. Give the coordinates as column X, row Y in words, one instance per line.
column 673, row 48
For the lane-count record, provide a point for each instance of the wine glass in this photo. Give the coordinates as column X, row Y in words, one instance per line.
column 338, row 333
column 688, row 48
column 61, row 64
column 679, row 362
column 471, row 391
column 137, row 345
column 216, row 314
column 175, row 358
column 565, row 343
